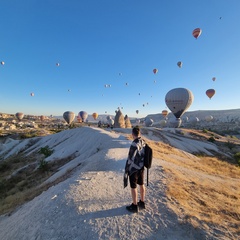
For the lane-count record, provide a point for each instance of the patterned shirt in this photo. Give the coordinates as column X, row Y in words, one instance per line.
column 135, row 160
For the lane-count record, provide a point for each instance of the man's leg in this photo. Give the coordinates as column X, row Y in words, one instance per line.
column 134, row 195
column 142, row 192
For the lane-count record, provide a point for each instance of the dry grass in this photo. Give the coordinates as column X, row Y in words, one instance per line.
column 202, row 190
column 19, row 184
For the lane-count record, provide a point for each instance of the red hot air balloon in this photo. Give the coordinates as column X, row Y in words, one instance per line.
column 196, row 32
column 155, row 70
column 210, row 93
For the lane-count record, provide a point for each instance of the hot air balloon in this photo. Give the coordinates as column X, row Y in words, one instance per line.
column 57, row 64
column 164, row 113
column 179, row 100
column 213, row 78
column 109, row 118
column 148, row 122
column 111, row 122
column 179, row 64
column 194, row 120
column 155, row 70
column 83, row 115
column 196, row 32
column 2, row 63
column 137, row 111
column 163, row 123
column 95, row 116
column 69, row 116
column 19, row 115
column 175, row 122
column 210, row 93
column 32, row 94
column 209, row 118
column 79, row 119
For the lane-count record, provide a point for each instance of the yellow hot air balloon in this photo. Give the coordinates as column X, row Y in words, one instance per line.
column 95, row 115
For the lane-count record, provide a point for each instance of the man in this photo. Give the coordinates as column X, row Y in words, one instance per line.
column 135, row 170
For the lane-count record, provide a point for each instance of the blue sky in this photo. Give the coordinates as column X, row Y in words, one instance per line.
column 94, row 41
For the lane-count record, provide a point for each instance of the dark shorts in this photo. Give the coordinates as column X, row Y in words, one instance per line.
column 136, row 178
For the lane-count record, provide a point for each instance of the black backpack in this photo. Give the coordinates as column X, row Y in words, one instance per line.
column 148, row 155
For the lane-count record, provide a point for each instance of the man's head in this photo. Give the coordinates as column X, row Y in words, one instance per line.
column 136, row 132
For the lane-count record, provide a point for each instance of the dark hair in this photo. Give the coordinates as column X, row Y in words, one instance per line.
column 136, row 131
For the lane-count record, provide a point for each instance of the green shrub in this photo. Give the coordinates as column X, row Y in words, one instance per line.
column 205, row 130
column 4, row 166
column 230, row 145
column 211, row 139
column 237, row 157
column 46, row 151
column 43, row 166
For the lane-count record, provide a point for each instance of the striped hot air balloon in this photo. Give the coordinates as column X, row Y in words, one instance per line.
column 196, row 32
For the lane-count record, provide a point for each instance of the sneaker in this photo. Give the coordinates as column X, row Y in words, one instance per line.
column 132, row 208
column 141, row 204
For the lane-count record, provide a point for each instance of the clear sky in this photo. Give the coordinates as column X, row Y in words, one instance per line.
column 118, row 43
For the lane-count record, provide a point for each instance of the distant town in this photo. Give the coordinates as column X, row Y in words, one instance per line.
column 225, row 122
